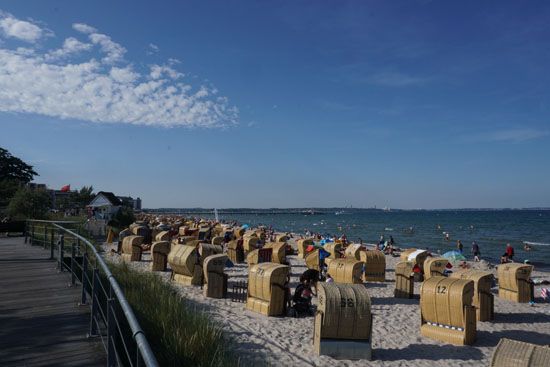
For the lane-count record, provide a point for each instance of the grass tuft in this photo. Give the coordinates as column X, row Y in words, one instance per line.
column 179, row 334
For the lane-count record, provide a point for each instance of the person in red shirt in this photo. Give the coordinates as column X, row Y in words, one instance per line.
column 508, row 254
column 510, row 251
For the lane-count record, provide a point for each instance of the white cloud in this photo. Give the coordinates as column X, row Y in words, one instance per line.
column 123, row 75
column 396, row 80
column 20, row 29
column 506, row 135
column 114, row 51
column 84, row 28
column 70, row 47
column 52, row 83
column 158, row 71
column 516, row 135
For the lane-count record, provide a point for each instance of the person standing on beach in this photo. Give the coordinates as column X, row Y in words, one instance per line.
column 475, row 251
column 509, row 252
column 459, row 246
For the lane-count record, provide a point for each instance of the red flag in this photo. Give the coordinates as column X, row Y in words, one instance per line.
column 66, row 188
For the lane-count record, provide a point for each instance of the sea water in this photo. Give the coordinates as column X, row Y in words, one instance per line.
column 491, row 229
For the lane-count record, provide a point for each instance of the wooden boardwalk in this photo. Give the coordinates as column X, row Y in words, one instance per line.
column 41, row 323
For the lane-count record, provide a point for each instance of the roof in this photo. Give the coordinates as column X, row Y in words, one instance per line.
column 109, row 196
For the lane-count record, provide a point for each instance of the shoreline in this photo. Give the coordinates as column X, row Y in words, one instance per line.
column 402, row 238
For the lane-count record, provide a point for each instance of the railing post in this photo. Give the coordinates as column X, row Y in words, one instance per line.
column 61, row 250
column 52, row 243
column 32, row 234
column 84, row 280
column 95, row 274
column 111, row 328
column 45, row 236
column 73, row 251
column 26, row 231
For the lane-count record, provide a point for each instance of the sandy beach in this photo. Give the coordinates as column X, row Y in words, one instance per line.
column 287, row 341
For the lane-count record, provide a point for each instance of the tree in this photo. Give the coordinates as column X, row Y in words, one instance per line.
column 13, row 174
column 123, row 218
column 13, row 168
column 29, row 204
column 84, row 196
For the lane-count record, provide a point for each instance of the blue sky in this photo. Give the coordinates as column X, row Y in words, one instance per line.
column 412, row 104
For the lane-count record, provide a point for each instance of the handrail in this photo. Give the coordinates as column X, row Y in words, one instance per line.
column 54, row 221
column 137, row 333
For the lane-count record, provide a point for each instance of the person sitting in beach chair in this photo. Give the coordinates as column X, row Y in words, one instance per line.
column 312, row 276
column 302, row 298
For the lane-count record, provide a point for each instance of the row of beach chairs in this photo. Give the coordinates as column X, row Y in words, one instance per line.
column 450, row 306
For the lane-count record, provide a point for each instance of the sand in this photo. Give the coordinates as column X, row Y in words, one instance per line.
column 286, row 341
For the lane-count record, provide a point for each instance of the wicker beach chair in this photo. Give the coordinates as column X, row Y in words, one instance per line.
column 514, row 353
column 343, row 322
column 434, row 266
column 375, row 265
column 483, row 299
column 446, row 310
column 131, row 248
column 159, row 255
column 266, row 288
column 215, row 280
column 346, row 271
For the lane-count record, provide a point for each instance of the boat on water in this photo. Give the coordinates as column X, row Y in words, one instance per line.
column 535, row 243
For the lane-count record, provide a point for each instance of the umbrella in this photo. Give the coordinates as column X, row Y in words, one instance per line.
column 245, row 226
column 454, row 256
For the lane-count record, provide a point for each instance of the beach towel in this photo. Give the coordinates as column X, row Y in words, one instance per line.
column 545, row 294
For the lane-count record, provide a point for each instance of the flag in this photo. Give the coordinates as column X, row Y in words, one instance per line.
column 66, row 188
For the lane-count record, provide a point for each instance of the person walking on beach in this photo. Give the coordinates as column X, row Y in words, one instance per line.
column 475, row 251
column 459, row 246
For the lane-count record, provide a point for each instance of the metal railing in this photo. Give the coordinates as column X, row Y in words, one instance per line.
column 111, row 317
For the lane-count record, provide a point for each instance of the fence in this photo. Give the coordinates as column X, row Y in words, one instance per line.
column 111, row 317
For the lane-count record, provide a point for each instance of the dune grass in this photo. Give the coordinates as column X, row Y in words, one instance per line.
column 179, row 334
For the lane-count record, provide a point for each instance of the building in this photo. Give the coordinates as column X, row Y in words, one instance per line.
column 61, row 199
column 104, row 206
column 129, row 201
